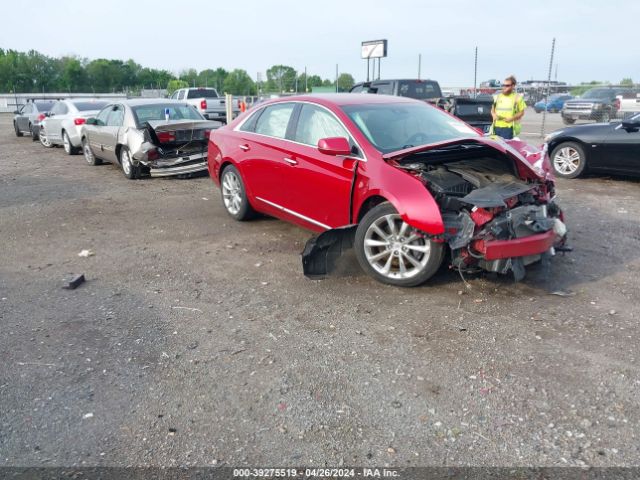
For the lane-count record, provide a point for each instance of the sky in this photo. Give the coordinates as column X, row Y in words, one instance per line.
column 595, row 40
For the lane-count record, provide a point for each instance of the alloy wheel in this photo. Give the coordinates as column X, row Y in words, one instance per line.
column 394, row 249
column 44, row 140
column 567, row 160
column 66, row 143
column 232, row 193
column 126, row 162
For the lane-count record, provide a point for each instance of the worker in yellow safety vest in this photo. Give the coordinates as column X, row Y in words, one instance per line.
column 508, row 108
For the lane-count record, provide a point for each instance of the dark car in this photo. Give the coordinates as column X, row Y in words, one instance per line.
column 28, row 117
column 600, row 104
column 599, row 147
column 428, row 90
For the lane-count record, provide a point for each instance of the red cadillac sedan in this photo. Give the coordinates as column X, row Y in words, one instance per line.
column 403, row 181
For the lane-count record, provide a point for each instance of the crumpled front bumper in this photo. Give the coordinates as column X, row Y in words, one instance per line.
column 516, row 247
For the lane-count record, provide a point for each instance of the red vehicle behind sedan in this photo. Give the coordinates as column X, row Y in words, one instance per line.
column 403, row 180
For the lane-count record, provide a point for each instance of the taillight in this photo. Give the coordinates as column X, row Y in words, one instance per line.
column 203, row 104
column 166, row 137
column 79, row 121
column 41, row 117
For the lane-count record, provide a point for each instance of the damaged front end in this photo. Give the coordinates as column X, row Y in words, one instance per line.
column 498, row 210
column 170, row 148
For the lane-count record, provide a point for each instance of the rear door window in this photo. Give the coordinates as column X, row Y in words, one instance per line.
column 383, row 88
column 274, row 120
column 180, row 94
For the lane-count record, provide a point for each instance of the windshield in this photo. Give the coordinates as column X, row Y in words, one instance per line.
column 419, row 89
column 395, row 126
column 202, row 93
column 156, row 111
column 598, row 93
column 85, row 106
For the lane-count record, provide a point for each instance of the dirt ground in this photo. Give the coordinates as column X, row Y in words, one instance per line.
column 197, row 340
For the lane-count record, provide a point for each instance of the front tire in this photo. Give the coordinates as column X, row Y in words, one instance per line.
column 392, row 252
column 569, row 160
column 234, row 194
column 131, row 171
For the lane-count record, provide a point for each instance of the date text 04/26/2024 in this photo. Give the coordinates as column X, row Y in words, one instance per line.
column 315, row 472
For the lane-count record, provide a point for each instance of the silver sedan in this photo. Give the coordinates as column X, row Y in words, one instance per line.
column 160, row 137
column 61, row 126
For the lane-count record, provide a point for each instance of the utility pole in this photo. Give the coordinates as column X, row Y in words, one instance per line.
column 306, row 89
column 336, row 78
column 544, row 112
column 475, row 75
column 419, row 65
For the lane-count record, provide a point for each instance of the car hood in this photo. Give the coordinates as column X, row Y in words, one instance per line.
column 586, row 100
column 590, row 128
column 529, row 159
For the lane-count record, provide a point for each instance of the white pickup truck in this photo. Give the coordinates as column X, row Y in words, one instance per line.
column 207, row 101
column 629, row 103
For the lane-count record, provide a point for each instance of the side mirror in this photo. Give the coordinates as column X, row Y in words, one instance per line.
column 91, row 121
column 631, row 125
column 336, row 146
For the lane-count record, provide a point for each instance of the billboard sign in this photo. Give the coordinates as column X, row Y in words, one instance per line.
column 374, row 49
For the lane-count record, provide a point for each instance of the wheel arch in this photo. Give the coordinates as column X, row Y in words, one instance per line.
column 368, row 204
column 559, row 141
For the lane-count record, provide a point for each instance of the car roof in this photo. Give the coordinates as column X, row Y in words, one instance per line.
column 148, row 101
column 341, row 99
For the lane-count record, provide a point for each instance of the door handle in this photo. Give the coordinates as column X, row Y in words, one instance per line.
column 245, row 147
column 290, row 161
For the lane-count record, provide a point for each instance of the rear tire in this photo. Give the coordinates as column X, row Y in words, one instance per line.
column 392, row 252
column 234, row 195
column 34, row 133
column 568, row 121
column 131, row 171
column 44, row 140
column 88, row 154
column 18, row 132
column 66, row 143
column 569, row 160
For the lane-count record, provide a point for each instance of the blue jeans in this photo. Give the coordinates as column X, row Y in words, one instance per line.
column 504, row 132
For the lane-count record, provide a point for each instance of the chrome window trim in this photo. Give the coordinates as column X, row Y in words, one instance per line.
column 362, row 158
column 299, row 215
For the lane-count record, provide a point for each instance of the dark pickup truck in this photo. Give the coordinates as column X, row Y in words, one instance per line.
column 475, row 111
column 599, row 104
column 428, row 90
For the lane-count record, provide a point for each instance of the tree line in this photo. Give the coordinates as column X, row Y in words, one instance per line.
column 34, row 72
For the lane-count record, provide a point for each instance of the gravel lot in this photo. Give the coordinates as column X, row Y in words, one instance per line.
column 196, row 340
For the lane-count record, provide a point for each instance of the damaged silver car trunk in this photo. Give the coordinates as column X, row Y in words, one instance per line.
column 158, row 137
